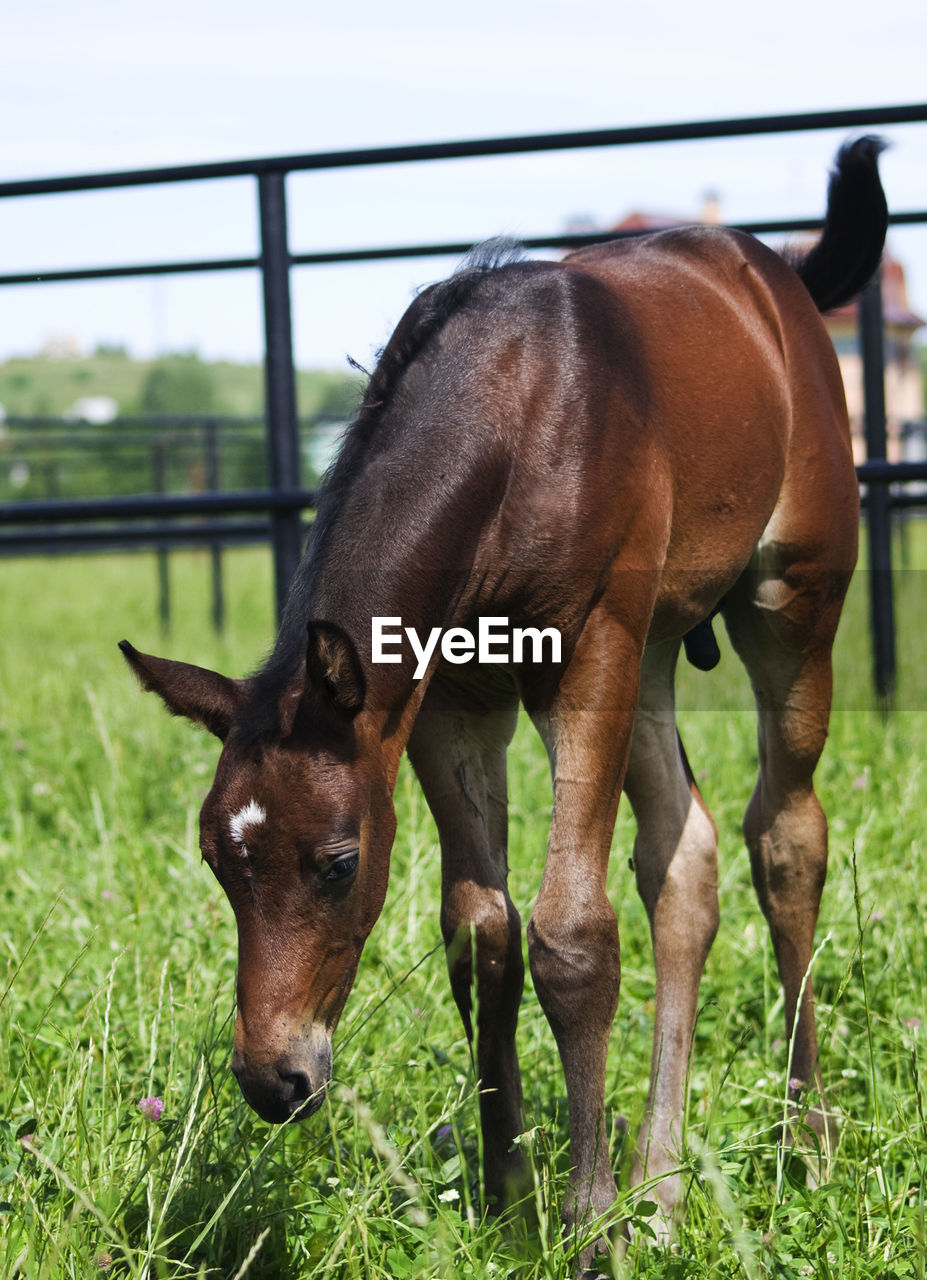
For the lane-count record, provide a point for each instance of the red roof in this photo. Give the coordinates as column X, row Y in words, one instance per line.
column 639, row 221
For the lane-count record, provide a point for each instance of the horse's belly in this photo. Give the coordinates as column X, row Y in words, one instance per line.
column 700, row 570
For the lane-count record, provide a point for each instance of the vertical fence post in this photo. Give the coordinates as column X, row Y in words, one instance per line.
column 211, row 430
column 283, row 461
column 159, row 484
column 879, row 509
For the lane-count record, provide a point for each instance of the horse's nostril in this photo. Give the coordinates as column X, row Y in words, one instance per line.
column 299, row 1082
column 302, row 1096
column 291, row 1086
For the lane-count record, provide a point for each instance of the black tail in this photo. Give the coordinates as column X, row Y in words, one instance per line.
column 850, row 248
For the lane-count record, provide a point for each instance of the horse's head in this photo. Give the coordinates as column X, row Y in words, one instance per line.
column 297, row 827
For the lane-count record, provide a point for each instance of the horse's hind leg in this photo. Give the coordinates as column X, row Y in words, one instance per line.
column 458, row 749
column 782, row 623
column 675, row 860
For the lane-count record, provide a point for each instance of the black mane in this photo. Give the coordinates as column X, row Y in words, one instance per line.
column 427, row 316
column 424, row 319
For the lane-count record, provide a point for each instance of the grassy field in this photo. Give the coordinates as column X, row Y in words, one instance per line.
column 117, row 985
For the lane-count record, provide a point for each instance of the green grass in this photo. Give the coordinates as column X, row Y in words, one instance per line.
column 117, row 957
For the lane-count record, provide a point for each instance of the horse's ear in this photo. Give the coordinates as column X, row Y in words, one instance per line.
column 333, row 663
column 199, row 694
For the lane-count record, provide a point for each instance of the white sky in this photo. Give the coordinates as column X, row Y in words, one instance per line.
column 113, row 84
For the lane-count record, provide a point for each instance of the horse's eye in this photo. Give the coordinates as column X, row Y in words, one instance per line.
column 342, row 867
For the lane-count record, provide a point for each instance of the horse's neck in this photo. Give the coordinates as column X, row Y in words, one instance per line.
column 410, row 560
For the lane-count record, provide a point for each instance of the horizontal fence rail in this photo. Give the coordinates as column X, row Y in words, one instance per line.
column 633, row 135
column 389, row 253
column 53, row 523
column 149, row 506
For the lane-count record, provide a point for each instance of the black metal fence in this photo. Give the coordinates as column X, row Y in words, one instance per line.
column 75, row 484
column 283, row 499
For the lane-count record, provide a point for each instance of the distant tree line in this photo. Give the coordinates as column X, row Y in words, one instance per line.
column 57, row 458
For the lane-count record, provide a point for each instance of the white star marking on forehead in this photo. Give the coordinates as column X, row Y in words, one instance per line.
column 250, row 816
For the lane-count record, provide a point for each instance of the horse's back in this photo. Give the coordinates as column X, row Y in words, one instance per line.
column 728, row 328
column 747, row 408
column 650, row 406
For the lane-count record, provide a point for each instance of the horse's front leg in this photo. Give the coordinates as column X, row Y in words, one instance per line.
column 458, row 749
column 573, row 931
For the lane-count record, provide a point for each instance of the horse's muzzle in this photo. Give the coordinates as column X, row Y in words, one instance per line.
column 291, row 1086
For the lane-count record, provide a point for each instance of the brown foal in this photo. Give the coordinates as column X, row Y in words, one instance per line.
column 615, row 446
